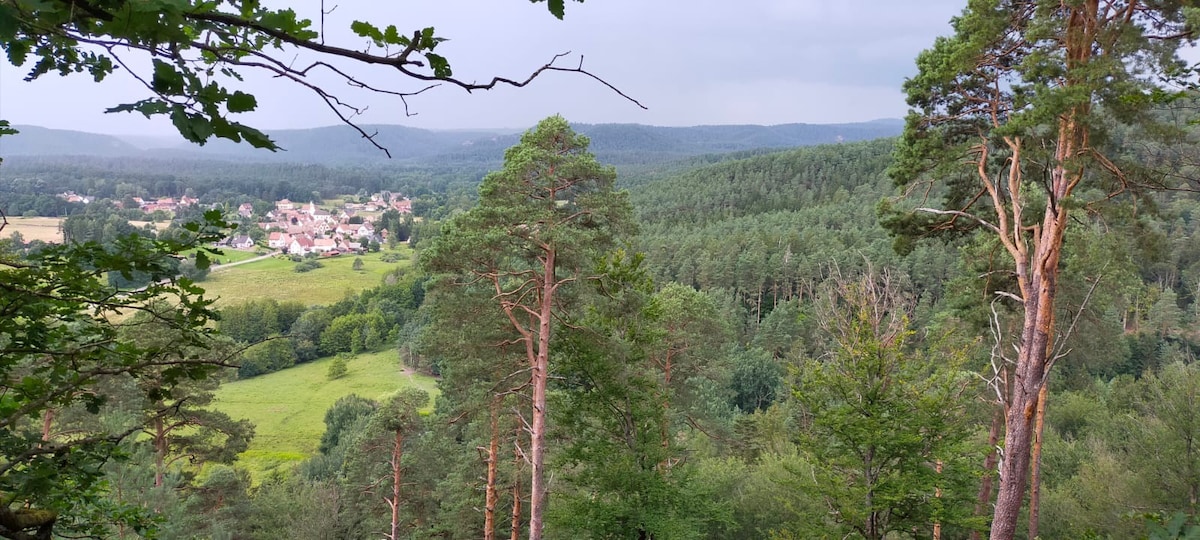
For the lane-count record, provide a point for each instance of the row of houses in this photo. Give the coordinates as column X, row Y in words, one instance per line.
column 301, row 229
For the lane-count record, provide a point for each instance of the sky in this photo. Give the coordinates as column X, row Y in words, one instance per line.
column 690, row 62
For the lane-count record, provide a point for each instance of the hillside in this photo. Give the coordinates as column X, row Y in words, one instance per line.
column 288, row 407
column 617, row 144
column 275, row 278
column 34, row 141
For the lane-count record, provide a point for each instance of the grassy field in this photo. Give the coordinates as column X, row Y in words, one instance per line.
column 232, row 255
column 288, row 407
column 276, row 278
column 34, row 228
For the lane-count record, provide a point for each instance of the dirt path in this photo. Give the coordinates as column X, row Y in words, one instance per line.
column 217, row 267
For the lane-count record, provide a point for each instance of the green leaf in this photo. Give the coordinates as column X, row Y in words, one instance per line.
column 441, row 67
column 256, row 138
column 202, row 261
column 201, row 127
column 8, row 22
column 367, row 30
column 391, row 35
column 241, row 102
column 557, row 8
column 166, row 79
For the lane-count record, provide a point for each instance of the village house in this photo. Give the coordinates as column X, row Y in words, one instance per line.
column 301, row 245
column 237, row 242
column 323, row 245
column 279, row 240
column 71, row 196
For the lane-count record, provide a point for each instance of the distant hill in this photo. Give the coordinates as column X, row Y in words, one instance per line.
column 618, row 144
column 40, row 141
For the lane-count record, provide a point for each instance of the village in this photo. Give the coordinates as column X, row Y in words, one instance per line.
column 302, row 229
column 296, row 228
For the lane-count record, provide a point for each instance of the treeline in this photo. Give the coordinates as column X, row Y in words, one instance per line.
column 279, row 335
column 30, row 180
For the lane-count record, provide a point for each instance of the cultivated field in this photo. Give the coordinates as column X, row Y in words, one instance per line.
column 46, row 228
column 288, row 407
column 276, row 278
column 34, row 228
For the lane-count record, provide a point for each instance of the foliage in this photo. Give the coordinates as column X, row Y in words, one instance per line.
column 541, row 222
column 308, row 265
column 622, row 479
column 884, row 425
column 1017, row 126
column 273, row 354
column 338, row 367
column 58, row 339
column 288, row 422
column 239, row 37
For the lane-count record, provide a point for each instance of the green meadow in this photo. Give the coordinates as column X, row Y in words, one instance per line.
column 288, row 407
column 276, row 278
column 227, row 256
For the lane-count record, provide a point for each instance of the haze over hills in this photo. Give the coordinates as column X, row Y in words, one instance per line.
column 620, row 144
column 34, row 141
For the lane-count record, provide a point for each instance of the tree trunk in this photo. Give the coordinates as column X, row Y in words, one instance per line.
column 47, row 423
column 397, row 474
column 989, row 469
column 937, row 493
column 1039, row 279
column 491, row 496
column 516, row 503
column 1035, row 476
column 540, row 375
column 160, row 451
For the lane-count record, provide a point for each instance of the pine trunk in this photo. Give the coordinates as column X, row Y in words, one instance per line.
column 491, row 496
column 989, row 469
column 1035, row 477
column 1039, row 280
column 397, row 474
column 516, row 503
column 540, row 375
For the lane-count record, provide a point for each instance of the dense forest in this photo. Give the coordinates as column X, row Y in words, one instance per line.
column 742, row 300
column 985, row 325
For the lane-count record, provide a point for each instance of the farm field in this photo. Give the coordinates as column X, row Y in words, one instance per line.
column 276, row 278
column 46, row 228
column 288, row 407
column 34, row 228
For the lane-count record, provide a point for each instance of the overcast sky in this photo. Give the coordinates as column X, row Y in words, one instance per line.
column 690, row 62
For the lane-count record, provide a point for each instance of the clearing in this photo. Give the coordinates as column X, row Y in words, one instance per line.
column 276, row 278
column 288, row 407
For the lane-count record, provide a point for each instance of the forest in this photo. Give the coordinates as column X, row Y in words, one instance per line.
column 983, row 326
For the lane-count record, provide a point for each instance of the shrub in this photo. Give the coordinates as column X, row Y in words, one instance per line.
column 305, row 266
column 337, row 368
